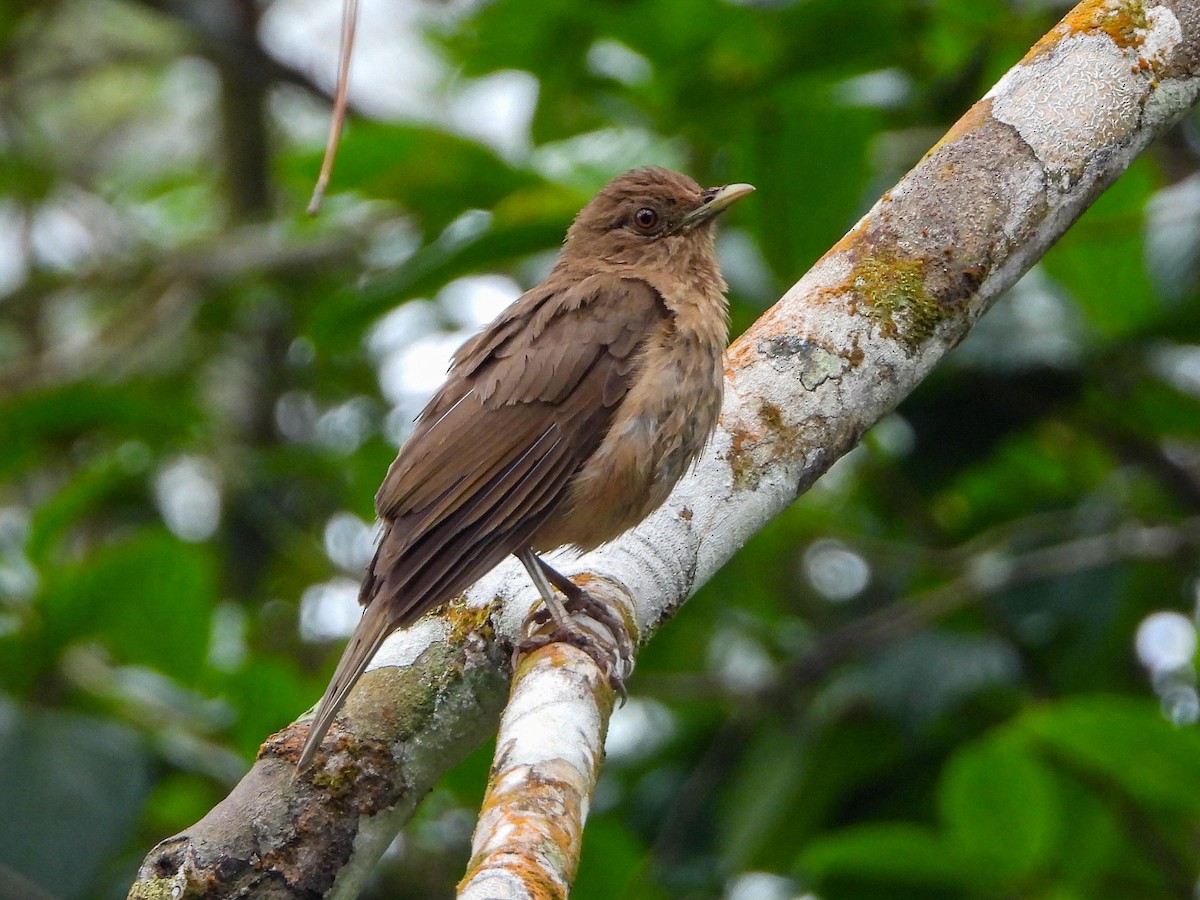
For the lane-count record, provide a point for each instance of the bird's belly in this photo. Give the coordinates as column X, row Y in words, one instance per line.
column 657, row 434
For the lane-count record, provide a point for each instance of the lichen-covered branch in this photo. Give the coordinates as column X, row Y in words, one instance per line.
column 840, row 350
column 548, row 754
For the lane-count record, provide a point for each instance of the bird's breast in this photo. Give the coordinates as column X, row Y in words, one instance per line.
column 658, row 430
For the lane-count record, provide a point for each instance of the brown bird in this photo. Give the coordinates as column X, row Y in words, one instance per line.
column 566, row 421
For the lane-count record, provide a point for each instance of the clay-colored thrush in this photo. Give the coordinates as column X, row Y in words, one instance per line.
column 566, row 421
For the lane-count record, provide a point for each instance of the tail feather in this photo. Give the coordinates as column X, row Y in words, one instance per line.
column 368, row 636
column 417, row 566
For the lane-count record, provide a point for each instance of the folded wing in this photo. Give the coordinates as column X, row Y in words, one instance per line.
column 525, row 405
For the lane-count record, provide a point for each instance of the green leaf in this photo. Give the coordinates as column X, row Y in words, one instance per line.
column 891, row 851
column 1101, row 261
column 265, row 694
column 57, row 415
column 524, row 224
column 149, row 599
column 760, row 791
column 610, row 865
column 1000, row 808
column 1090, row 844
column 105, row 481
column 813, row 781
column 796, row 220
column 1127, row 743
column 24, row 177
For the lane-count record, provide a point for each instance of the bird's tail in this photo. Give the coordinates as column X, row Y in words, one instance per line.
column 375, row 626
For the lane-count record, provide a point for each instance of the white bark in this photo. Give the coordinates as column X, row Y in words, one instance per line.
column 548, row 754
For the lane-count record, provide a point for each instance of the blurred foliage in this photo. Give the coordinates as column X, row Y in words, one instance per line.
column 920, row 681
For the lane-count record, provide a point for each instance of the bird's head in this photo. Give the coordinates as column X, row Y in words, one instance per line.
column 649, row 217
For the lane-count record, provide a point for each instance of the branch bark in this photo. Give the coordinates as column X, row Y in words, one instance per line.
column 548, row 754
column 842, row 348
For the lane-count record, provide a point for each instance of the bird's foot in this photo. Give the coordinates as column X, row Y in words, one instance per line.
column 597, row 610
column 613, row 656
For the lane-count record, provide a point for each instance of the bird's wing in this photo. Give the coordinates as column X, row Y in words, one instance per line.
column 526, row 403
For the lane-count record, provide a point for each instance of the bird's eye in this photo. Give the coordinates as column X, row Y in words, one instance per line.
column 646, row 218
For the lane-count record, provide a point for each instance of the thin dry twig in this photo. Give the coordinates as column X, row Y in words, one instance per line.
column 338, row 122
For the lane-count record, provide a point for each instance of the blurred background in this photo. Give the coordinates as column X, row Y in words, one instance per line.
column 960, row 667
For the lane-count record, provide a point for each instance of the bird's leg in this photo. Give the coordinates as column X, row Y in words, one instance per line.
column 579, row 600
column 571, row 632
column 533, row 565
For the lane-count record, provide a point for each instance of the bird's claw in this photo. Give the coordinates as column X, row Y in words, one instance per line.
column 587, row 605
column 613, row 658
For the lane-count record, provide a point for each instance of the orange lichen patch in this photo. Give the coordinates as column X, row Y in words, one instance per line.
column 530, row 826
column 968, row 122
column 540, row 816
column 778, row 326
column 771, row 416
column 521, row 855
column 538, row 804
column 741, row 459
column 1124, row 21
column 855, row 235
column 539, row 884
column 745, row 349
column 534, row 879
column 287, row 742
column 740, row 354
column 1142, row 65
column 1046, row 43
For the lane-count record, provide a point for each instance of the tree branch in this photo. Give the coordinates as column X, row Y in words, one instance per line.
column 548, row 754
column 840, row 350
